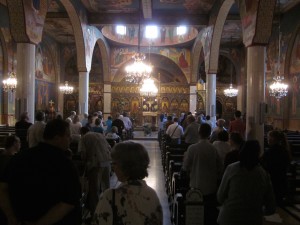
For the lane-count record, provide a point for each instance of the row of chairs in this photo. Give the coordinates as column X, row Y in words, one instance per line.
column 176, row 182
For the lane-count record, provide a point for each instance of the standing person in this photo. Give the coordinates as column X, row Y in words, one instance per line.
column 36, row 131
column 127, row 124
column 84, row 120
column 220, row 127
column 203, row 165
column 75, row 127
column 222, row 145
column 175, row 131
column 133, row 202
column 98, row 128
column 237, row 125
column 168, row 122
column 119, row 124
column 276, row 160
column 12, row 146
column 21, row 129
column 190, row 134
column 108, row 124
column 95, row 152
column 42, row 186
column 236, row 142
column 246, row 191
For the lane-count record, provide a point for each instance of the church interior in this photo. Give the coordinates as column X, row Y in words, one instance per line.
column 196, row 50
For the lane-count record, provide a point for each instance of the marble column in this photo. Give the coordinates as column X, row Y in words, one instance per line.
column 255, row 93
column 193, row 99
column 25, row 93
column 107, row 100
column 211, row 96
column 83, row 92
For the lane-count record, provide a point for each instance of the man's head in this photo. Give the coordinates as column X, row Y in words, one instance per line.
column 204, row 130
column 40, row 116
column 57, row 133
column 237, row 114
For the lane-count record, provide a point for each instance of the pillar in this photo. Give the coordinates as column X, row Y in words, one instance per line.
column 193, row 99
column 107, row 100
column 255, row 93
column 83, row 92
column 211, row 97
column 25, row 93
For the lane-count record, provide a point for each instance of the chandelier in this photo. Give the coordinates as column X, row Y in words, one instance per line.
column 138, row 71
column 231, row 92
column 66, row 89
column 10, row 84
column 278, row 89
column 148, row 88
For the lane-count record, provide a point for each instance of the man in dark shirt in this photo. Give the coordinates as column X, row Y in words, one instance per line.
column 41, row 185
column 21, row 129
column 117, row 122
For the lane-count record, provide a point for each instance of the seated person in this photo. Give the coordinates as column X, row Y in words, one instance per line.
column 113, row 134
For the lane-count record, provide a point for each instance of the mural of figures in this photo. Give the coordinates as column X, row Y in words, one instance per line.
column 182, row 60
column 135, row 105
column 184, row 105
column 295, row 59
column 121, row 55
column 45, row 92
column 174, row 105
column 165, row 104
column 44, row 64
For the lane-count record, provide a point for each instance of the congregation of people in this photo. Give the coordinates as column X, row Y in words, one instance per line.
column 40, row 184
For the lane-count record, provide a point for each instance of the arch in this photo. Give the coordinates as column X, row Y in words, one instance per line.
column 5, row 53
column 78, row 35
column 288, row 56
column 105, row 55
column 195, row 59
column 216, row 36
column 169, row 71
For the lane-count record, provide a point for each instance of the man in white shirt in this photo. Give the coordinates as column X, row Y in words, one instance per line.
column 204, row 167
column 128, row 125
column 36, row 131
column 175, row 131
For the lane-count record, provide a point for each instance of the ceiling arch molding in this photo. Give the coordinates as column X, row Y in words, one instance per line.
column 169, row 71
column 216, row 36
column 78, row 35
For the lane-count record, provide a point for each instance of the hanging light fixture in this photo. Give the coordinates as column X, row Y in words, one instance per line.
column 231, row 92
column 139, row 70
column 278, row 89
column 10, row 84
column 66, row 89
column 148, row 88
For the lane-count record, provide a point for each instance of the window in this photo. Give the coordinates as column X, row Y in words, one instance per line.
column 181, row 30
column 121, row 30
column 151, row 32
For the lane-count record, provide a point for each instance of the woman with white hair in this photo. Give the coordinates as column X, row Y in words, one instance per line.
column 133, row 202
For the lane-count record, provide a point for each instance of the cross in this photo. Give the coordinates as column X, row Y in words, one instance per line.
column 51, row 103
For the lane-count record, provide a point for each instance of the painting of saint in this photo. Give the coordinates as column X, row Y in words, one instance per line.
column 182, row 60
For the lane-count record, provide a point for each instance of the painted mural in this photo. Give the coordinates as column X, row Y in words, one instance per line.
column 295, row 59
column 96, row 73
column 45, row 92
column 69, row 64
column 248, row 15
column 44, row 64
column 35, row 13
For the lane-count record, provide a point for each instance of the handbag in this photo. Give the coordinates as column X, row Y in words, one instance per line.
column 168, row 138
